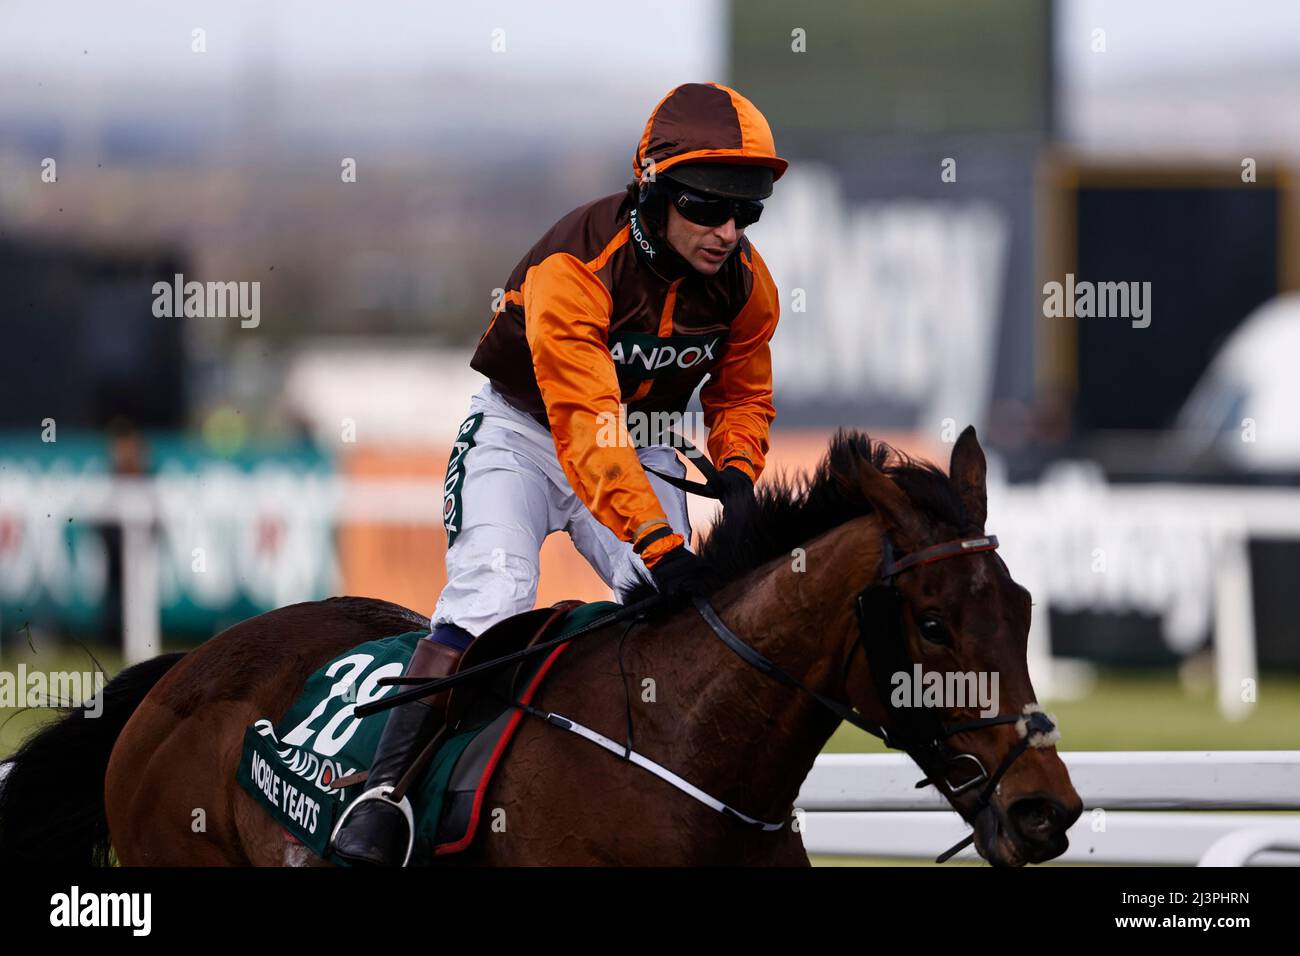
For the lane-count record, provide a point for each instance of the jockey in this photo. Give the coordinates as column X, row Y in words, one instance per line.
column 629, row 300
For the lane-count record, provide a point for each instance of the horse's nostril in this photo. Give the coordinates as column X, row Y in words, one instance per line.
column 1037, row 817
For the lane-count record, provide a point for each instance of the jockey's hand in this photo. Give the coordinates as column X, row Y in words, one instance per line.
column 736, row 492
column 679, row 574
column 736, row 488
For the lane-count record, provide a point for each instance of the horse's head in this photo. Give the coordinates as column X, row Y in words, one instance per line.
column 953, row 621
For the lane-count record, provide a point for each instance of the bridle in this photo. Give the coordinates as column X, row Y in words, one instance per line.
column 924, row 738
column 929, row 746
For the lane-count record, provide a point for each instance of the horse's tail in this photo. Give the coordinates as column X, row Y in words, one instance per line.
column 52, row 789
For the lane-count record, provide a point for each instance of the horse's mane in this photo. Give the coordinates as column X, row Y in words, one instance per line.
column 791, row 511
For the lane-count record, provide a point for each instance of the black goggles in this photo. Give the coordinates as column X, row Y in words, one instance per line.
column 715, row 210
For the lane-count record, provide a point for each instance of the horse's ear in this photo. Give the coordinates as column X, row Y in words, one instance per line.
column 966, row 471
column 892, row 504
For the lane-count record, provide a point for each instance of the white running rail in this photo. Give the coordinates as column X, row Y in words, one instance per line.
column 868, row 805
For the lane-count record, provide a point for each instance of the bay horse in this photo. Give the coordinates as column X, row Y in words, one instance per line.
column 152, row 780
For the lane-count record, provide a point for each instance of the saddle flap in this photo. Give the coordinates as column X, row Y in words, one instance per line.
column 505, row 637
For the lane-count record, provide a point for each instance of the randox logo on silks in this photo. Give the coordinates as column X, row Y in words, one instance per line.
column 453, row 484
column 639, row 356
column 639, row 235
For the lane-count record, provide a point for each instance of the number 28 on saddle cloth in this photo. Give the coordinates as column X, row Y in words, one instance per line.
column 293, row 770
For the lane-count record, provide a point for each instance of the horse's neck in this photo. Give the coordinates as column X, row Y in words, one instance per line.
column 763, row 735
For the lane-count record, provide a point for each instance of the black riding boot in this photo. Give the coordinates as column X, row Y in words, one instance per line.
column 377, row 831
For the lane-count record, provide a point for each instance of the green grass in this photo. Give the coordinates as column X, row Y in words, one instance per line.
column 15, row 723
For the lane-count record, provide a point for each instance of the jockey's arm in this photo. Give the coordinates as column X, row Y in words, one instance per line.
column 567, row 312
column 737, row 399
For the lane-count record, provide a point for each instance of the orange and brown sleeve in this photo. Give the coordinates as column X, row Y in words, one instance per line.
column 737, row 400
column 566, row 321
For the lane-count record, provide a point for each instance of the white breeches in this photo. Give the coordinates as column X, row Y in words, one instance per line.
column 504, row 495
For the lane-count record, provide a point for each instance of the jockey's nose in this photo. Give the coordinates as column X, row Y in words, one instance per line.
column 727, row 231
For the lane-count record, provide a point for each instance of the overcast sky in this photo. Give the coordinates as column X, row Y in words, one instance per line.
column 576, row 37
column 667, row 39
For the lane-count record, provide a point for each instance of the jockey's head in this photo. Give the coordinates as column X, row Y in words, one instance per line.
column 705, row 163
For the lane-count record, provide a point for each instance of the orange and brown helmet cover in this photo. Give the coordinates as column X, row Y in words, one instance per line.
column 705, row 123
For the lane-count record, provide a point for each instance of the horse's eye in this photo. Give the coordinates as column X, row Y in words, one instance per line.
column 933, row 630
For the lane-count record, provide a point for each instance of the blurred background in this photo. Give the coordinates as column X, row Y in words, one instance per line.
column 378, row 169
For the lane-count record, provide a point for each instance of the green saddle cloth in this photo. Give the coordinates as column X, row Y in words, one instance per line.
column 289, row 768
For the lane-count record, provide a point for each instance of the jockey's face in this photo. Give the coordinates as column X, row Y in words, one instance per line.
column 706, row 248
